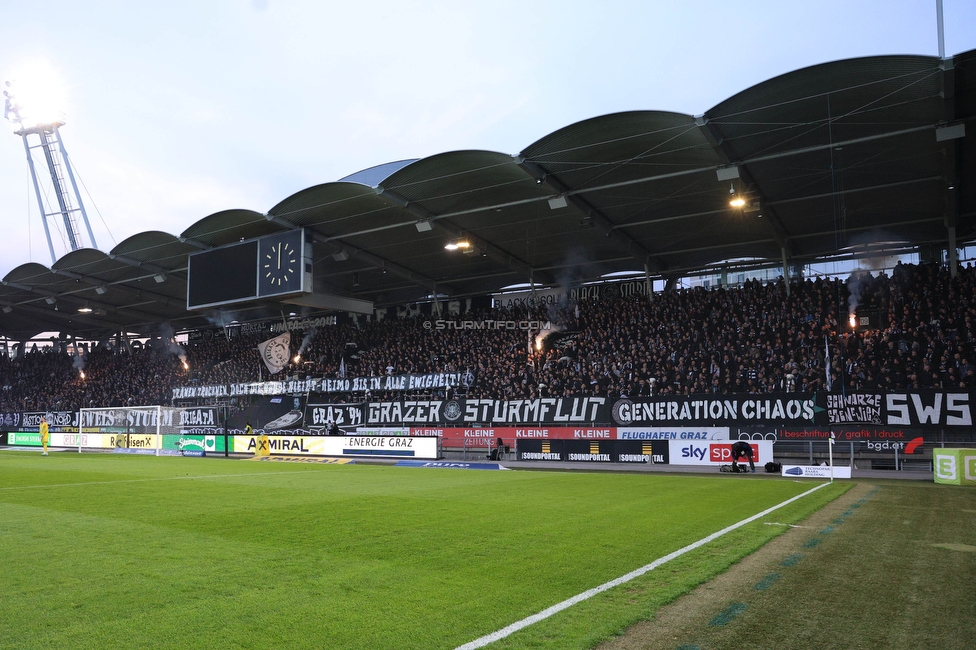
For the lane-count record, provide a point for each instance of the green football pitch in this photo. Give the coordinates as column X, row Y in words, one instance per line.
column 106, row 551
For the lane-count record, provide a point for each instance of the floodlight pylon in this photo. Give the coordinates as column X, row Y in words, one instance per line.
column 68, row 203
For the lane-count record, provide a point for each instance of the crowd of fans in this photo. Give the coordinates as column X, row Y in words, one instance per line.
column 914, row 329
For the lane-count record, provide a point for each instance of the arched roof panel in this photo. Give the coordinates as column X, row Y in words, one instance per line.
column 156, row 247
column 830, row 102
column 463, row 180
column 229, row 226
column 826, row 157
column 334, row 208
column 373, row 176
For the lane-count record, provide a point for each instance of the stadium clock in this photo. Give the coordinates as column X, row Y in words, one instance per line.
column 275, row 265
column 280, row 263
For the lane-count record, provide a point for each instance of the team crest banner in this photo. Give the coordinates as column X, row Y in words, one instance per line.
column 275, row 352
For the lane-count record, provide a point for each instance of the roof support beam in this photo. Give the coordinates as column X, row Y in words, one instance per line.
column 384, row 264
column 809, row 197
column 654, row 177
column 772, row 220
column 149, row 266
column 120, row 287
column 950, row 160
column 628, row 243
column 492, row 251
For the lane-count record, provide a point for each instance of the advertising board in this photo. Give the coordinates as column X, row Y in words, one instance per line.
column 369, row 446
column 955, row 466
column 691, row 452
column 673, row 433
column 816, row 471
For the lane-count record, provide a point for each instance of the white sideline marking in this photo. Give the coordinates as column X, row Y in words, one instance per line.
column 143, row 480
column 558, row 607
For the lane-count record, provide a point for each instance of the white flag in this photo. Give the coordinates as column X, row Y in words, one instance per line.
column 275, row 353
column 342, row 368
column 830, row 383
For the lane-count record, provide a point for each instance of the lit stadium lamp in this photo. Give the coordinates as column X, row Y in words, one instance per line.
column 35, row 98
column 85, row 309
column 736, row 201
column 461, row 243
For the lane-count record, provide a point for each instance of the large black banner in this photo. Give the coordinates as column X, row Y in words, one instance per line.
column 399, row 383
column 459, row 412
column 921, row 408
column 933, row 409
column 547, row 410
column 731, row 410
column 345, row 416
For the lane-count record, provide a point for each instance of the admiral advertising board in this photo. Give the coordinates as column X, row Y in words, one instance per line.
column 348, row 446
column 690, row 452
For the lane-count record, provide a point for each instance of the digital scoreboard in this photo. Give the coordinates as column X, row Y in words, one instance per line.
column 273, row 266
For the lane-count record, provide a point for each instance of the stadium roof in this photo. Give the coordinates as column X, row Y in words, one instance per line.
column 830, row 158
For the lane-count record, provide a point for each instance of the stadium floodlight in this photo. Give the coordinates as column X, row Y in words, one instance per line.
column 101, row 289
column 7, row 309
column 736, row 201
column 159, row 278
column 33, row 101
column 32, row 104
column 85, row 309
column 455, row 245
column 423, row 225
column 50, row 300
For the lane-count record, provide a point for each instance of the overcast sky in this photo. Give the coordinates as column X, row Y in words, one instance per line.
column 177, row 110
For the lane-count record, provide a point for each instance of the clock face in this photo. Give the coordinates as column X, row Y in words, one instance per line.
column 280, row 264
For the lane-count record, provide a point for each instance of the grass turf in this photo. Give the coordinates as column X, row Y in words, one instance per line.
column 895, row 571
column 128, row 551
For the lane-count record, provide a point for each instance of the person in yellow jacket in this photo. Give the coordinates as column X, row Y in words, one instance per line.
column 45, row 436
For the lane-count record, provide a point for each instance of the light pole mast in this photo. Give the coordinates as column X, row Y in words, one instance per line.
column 67, row 203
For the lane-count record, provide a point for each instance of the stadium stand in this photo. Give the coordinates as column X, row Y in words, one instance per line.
column 748, row 339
